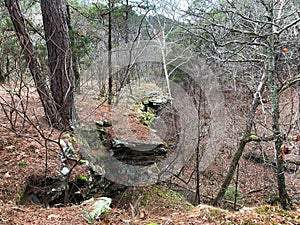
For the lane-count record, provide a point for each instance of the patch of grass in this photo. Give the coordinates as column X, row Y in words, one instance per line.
column 20, row 197
column 231, row 193
column 2, row 166
column 22, row 164
column 271, row 197
column 208, row 174
column 269, row 211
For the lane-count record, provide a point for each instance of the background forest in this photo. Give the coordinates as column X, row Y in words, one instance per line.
column 149, row 112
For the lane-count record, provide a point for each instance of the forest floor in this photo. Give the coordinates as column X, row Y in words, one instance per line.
column 26, row 157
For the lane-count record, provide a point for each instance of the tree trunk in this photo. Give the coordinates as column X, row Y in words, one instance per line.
column 242, row 143
column 59, row 58
column 298, row 69
column 283, row 198
column 2, row 75
column 110, row 81
column 31, row 59
column 126, row 21
column 75, row 62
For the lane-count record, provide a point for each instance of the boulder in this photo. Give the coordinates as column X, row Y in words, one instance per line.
column 138, row 153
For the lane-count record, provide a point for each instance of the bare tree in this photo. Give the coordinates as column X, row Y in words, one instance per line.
column 252, row 36
column 163, row 25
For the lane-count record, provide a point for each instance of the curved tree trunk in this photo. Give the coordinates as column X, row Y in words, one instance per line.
column 31, row 58
column 242, row 143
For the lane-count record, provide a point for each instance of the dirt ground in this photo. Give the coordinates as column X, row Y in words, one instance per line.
column 27, row 154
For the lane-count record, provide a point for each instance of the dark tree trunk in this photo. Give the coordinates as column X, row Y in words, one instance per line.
column 110, row 81
column 59, row 58
column 126, row 21
column 31, row 58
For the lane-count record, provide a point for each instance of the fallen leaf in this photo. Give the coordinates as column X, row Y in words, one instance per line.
column 30, row 128
column 142, row 214
column 7, row 175
column 10, row 147
column 285, row 50
column 53, row 216
column 105, row 222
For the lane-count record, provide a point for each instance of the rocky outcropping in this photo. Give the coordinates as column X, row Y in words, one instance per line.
column 138, row 153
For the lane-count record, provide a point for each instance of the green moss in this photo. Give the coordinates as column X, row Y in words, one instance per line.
column 216, row 213
column 148, row 116
column 271, row 197
column 177, row 79
column 253, row 137
column 2, row 166
column 271, row 210
column 22, row 164
column 19, row 197
column 73, row 138
column 82, row 179
column 203, row 210
column 81, row 161
column 145, row 117
column 231, row 194
column 275, row 211
column 156, row 197
column 163, row 196
column 208, row 174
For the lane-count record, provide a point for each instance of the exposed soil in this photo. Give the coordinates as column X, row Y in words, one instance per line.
column 26, row 160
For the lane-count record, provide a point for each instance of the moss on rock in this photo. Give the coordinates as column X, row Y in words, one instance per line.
column 156, row 197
